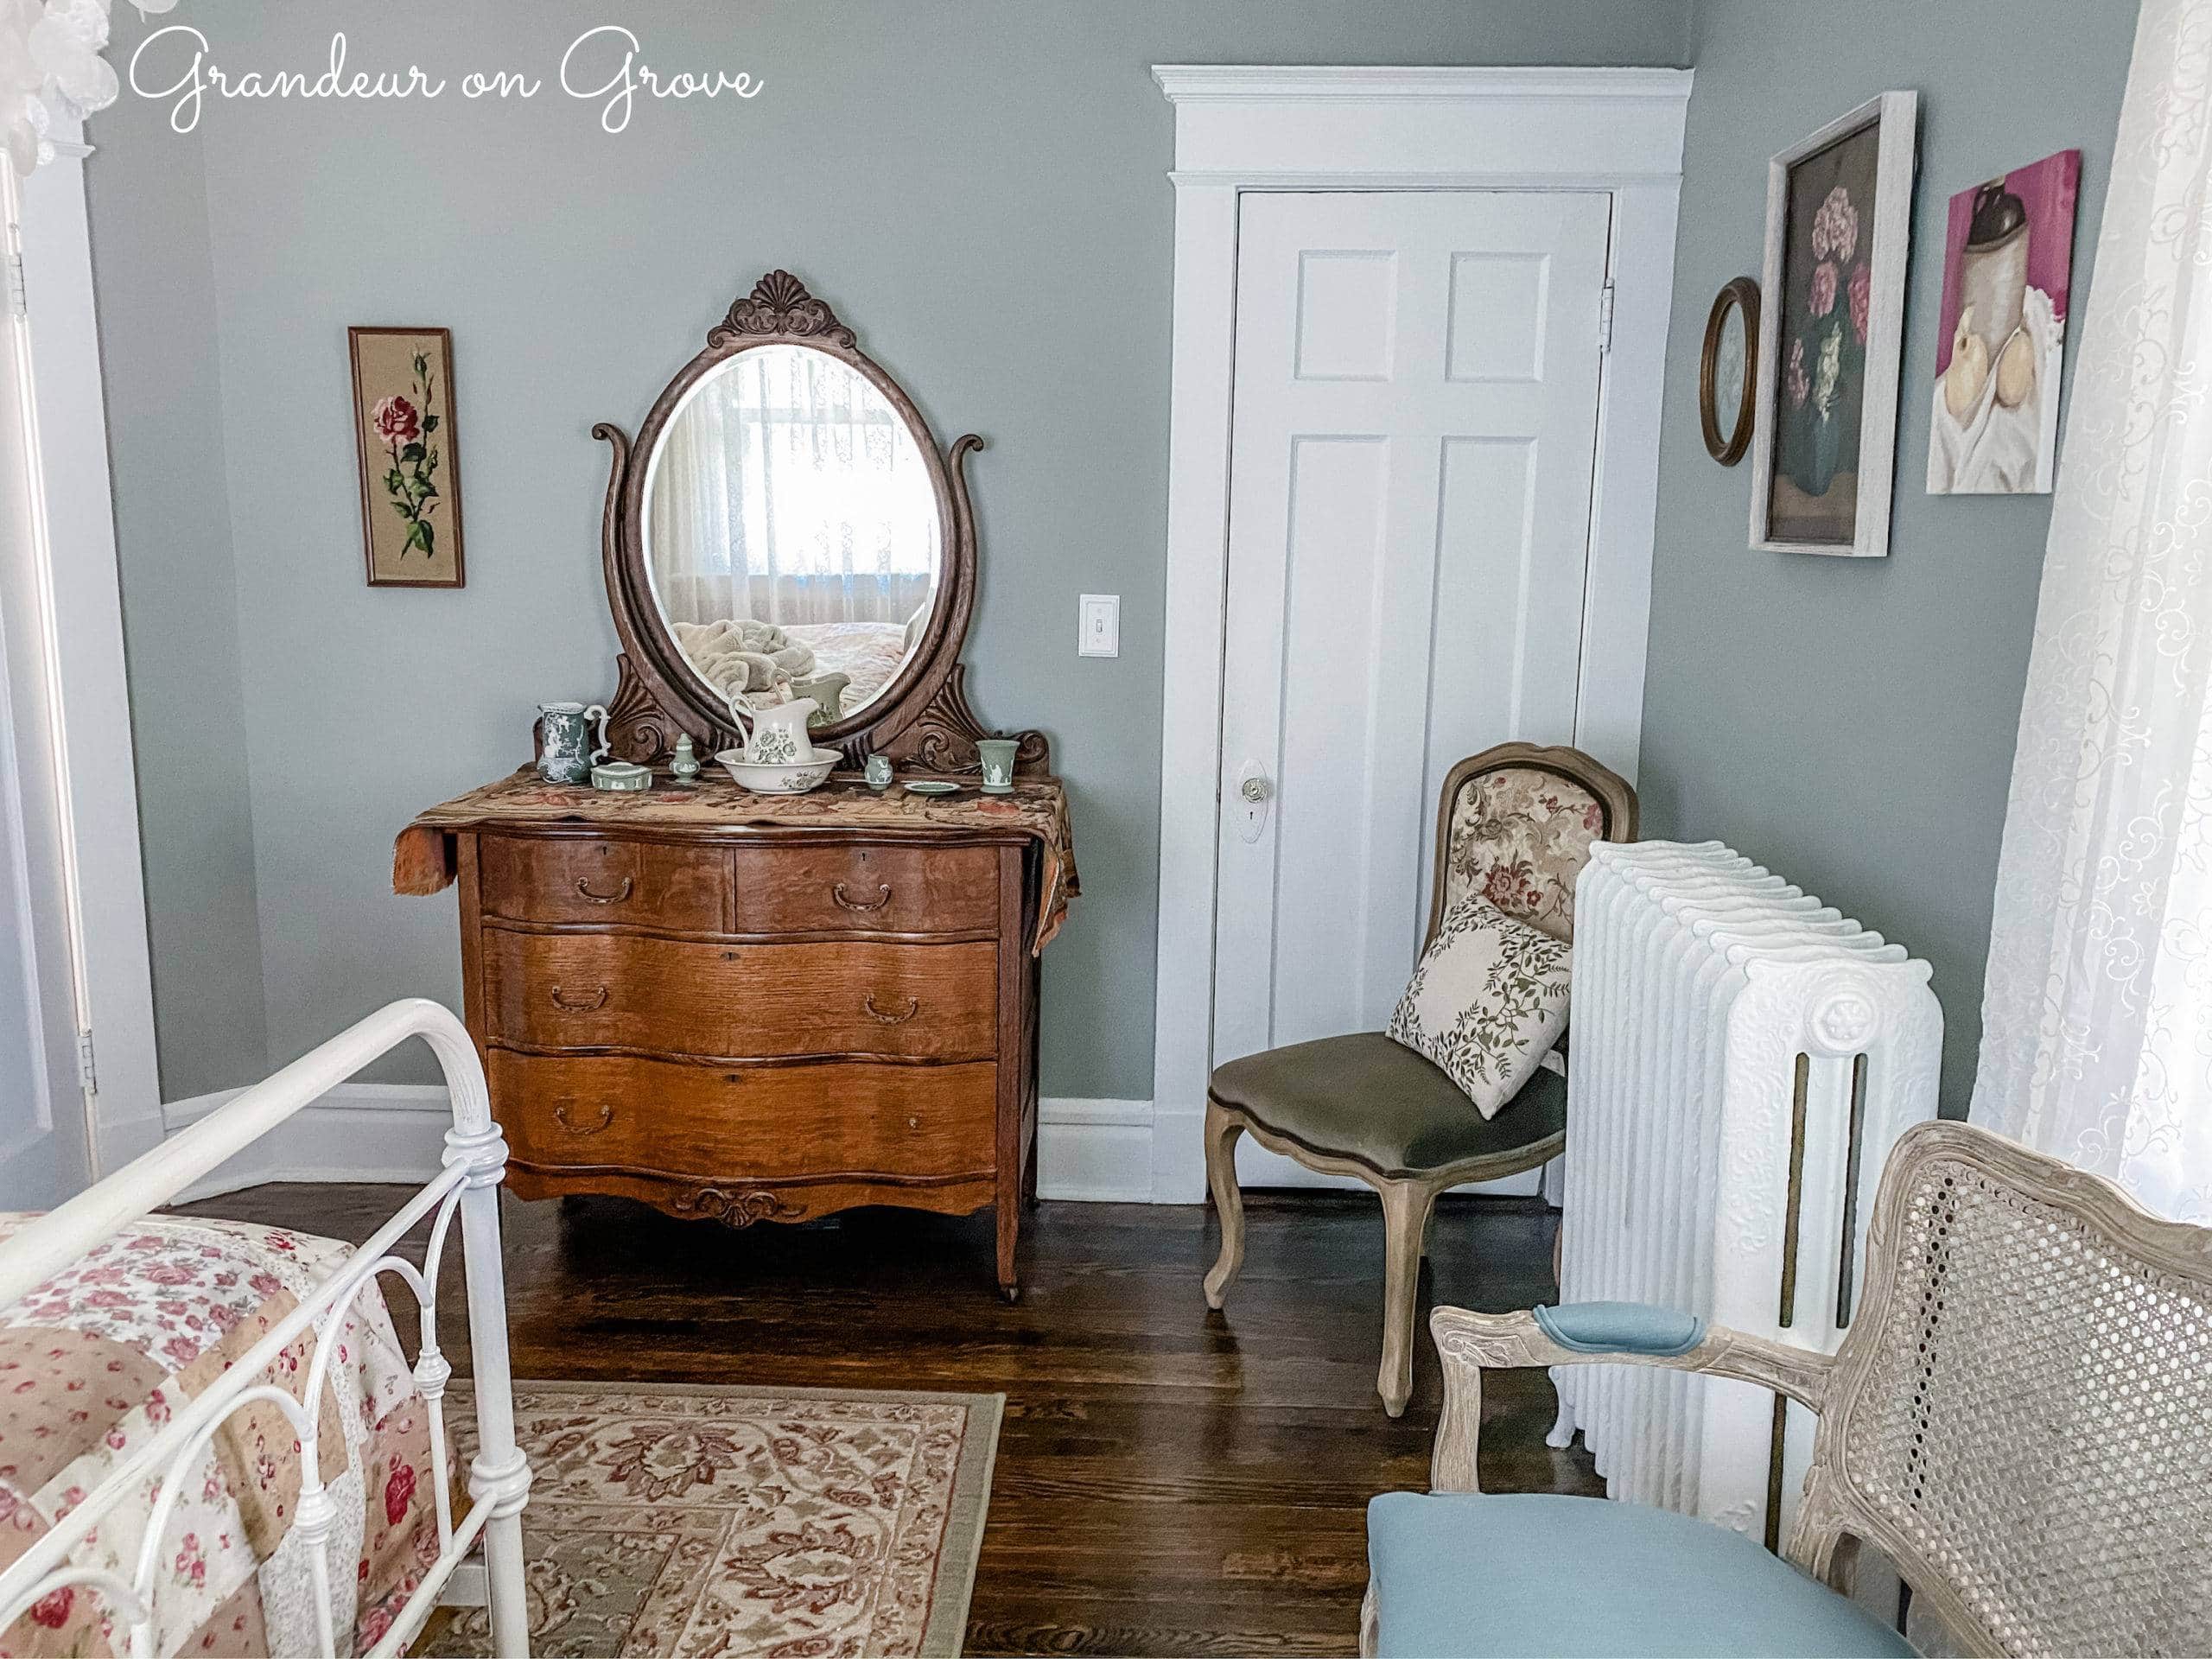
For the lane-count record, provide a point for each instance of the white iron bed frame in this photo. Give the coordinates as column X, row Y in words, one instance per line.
column 498, row 1476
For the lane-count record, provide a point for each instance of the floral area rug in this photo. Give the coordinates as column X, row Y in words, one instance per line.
column 672, row 1521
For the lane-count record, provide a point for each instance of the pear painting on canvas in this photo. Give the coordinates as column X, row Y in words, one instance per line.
column 2007, row 268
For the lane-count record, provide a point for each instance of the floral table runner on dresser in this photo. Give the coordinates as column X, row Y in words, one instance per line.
column 422, row 859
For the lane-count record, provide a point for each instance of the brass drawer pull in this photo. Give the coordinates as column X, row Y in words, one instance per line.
column 584, row 887
column 592, row 1007
column 882, row 897
column 605, row 1117
column 869, row 1003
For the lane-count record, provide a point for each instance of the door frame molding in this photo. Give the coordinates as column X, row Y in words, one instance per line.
column 87, row 675
column 1243, row 128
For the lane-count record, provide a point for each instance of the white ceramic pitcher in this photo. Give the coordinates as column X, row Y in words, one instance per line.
column 776, row 735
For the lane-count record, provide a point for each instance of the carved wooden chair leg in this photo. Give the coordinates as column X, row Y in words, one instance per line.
column 1407, row 1206
column 1223, row 1132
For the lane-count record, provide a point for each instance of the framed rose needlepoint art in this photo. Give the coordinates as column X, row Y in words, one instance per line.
column 1832, row 332
column 410, row 456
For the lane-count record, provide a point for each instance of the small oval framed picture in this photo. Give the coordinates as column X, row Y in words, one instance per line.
column 1728, row 373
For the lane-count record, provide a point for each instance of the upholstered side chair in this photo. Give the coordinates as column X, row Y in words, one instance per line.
column 2019, row 1419
column 1515, row 823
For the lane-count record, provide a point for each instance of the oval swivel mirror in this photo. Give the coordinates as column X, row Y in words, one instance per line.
column 792, row 535
column 785, row 527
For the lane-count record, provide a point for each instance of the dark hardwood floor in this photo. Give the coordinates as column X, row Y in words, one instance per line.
column 1169, row 1481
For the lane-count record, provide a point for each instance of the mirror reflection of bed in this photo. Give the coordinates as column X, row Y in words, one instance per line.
column 792, row 532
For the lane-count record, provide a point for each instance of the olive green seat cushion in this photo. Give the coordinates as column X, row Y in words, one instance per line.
column 1366, row 1098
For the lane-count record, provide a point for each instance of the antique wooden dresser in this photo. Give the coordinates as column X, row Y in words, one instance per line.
column 746, row 1007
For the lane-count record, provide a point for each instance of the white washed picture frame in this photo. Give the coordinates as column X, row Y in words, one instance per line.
column 1897, row 115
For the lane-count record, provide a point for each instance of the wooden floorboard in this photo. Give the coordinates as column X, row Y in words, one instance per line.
column 1169, row 1480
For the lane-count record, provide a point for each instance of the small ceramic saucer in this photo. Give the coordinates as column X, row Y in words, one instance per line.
column 933, row 786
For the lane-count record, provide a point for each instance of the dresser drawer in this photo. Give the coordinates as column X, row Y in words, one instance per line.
column 876, row 887
column 672, row 996
column 592, row 879
column 758, row 1123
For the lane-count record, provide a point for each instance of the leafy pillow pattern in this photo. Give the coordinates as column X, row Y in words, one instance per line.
column 1488, row 1001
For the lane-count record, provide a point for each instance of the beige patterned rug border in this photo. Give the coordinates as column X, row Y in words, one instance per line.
column 967, row 1510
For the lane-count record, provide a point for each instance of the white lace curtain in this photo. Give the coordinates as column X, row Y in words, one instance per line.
column 789, row 491
column 2097, row 1017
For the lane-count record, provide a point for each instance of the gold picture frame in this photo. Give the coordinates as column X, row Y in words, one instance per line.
column 1738, row 378
column 408, row 448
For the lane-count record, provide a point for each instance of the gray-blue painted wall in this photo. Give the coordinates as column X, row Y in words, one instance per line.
column 980, row 186
column 1851, row 722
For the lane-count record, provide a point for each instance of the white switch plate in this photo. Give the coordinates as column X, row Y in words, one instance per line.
column 1099, row 625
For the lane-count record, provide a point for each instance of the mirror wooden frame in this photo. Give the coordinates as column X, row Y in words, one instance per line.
column 921, row 718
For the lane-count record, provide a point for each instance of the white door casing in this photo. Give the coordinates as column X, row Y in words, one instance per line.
column 44, row 1153
column 1415, row 428
column 71, row 644
column 1241, row 130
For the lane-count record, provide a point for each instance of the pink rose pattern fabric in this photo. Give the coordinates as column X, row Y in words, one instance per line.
column 1519, row 837
column 97, row 1360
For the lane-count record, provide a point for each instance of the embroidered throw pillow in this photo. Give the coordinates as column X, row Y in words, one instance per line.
column 1487, row 1002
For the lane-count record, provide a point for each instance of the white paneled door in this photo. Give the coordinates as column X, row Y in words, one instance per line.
column 1416, row 417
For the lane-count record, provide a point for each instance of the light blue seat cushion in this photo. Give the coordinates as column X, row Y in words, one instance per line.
column 1620, row 1328
column 1482, row 1574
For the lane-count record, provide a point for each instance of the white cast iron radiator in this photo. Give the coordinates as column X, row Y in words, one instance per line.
column 1742, row 1059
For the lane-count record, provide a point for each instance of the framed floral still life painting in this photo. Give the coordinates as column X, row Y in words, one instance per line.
column 410, row 457
column 1832, row 333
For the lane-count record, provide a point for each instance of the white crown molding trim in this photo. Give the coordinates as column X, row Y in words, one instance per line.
column 1244, row 129
column 1255, row 179
column 1191, row 83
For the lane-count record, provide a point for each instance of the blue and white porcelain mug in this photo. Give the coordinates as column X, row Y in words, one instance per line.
column 565, row 753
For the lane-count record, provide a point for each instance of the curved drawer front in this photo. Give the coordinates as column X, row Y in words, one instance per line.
column 674, row 997
column 598, row 879
column 878, row 888
column 753, row 1123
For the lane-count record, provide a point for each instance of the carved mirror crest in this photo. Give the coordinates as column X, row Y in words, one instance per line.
column 784, row 526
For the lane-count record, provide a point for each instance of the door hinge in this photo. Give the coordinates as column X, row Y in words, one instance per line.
column 19, row 303
column 1605, row 319
column 88, row 1076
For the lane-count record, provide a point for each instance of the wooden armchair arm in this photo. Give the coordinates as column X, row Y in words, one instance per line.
column 1467, row 1342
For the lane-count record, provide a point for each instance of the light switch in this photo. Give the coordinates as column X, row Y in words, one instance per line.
column 1099, row 620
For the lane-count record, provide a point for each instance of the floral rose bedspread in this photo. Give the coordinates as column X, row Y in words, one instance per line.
column 99, row 1358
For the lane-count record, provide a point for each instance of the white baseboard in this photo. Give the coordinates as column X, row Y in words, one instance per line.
column 1090, row 1151
column 1095, row 1151
column 358, row 1132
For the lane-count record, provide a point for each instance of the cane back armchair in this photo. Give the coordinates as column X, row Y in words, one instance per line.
column 1516, row 823
column 2020, row 1420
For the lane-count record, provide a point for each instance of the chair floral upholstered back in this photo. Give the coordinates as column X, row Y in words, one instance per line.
column 1516, row 825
